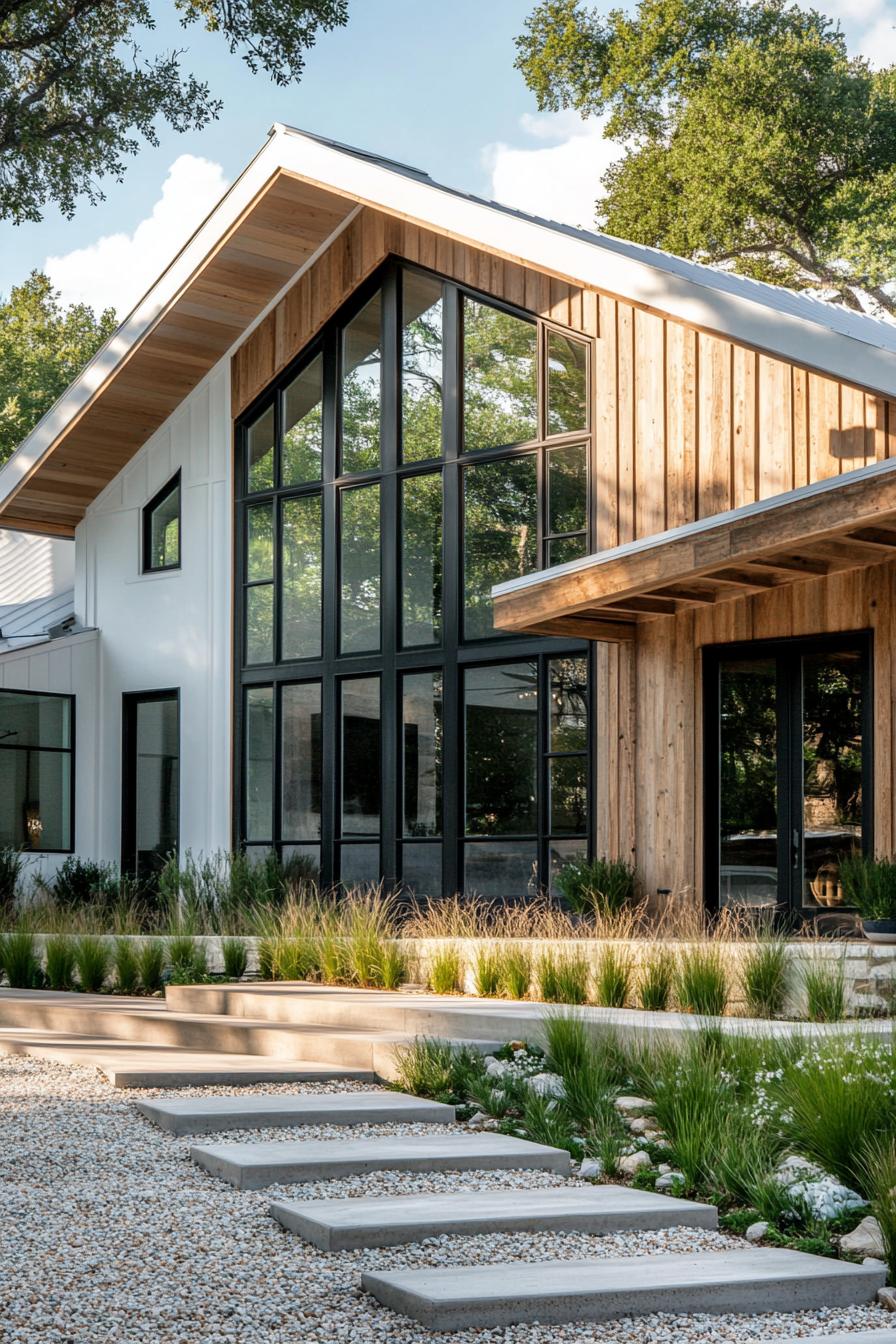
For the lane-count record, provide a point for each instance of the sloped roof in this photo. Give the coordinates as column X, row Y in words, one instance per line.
column 31, row 622
column 286, row 207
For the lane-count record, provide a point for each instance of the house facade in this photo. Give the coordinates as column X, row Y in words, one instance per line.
column 440, row 544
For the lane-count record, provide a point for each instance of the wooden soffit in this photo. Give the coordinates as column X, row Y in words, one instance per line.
column 843, row 523
column 273, row 235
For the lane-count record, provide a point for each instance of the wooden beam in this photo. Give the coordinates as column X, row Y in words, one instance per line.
column 584, row 627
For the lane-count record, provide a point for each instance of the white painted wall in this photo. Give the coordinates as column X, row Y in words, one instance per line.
column 33, row 567
column 153, row 631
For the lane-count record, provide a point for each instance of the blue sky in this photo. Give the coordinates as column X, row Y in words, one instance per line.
column 431, row 84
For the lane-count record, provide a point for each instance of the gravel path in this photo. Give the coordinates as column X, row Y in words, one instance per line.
column 111, row 1236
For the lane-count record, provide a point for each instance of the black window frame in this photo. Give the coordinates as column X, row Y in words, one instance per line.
column 69, row 751
column 788, row 653
column 130, row 701
column 452, row 653
column 147, row 566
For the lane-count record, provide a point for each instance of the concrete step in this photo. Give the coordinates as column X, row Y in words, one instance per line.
column 149, row 1022
column 213, row 1115
column 131, row 1064
column 251, row 1166
column 347, row 1224
column 555, row 1292
column 859, row 1337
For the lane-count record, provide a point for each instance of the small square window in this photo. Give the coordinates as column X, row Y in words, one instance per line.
column 161, row 529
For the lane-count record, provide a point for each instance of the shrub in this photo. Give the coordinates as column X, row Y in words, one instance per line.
column 437, row 1069
column 368, row 921
column 20, row 960
column 567, row 1043
column 394, row 967
column 236, row 957
column 59, row 954
column 824, row 983
column 188, row 960
column 267, row 954
column 151, row 961
column 127, row 969
column 838, row 1099
column 596, row 885
column 334, row 961
column 563, row 978
column 516, row 972
column 655, row 982
column 765, row 974
column 487, row 972
column 880, row 1164
column 701, row 983
column 92, row 962
column 446, row 971
column 79, row 882
column 870, row 885
column 11, row 865
column 613, row 977
column 543, row 1121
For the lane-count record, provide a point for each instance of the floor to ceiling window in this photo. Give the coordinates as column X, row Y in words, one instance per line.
column 429, row 444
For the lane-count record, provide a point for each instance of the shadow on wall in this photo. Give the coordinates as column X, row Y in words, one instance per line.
column 33, row 567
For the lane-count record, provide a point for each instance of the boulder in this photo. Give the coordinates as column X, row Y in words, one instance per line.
column 756, row 1231
column 633, row 1162
column 633, row 1105
column 866, row 1239
column 591, row 1169
column 547, row 1084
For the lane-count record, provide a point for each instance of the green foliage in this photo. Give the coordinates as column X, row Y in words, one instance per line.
column 487, row 972
column 92, row 958
column 235, row 954
column 750, row 137
column 151, row 963
column 59, row 961
column 78, row 92
column 126, row 966
column 543, row 1121
column 267, row 954
column 765, row 974
column 880, row 1165
column 82, row 882
column 43, row 345
column 701, row 982
column 188, row 960
column 824, row 983
column 393, row 966
column 20, row 960
column 605, row 886
column 839, row 1099
column 446, row 971
column 368, row 921
column 870, row 885
column 567, row 1043
column 11, row 860
column 516, row 972
column 613, row 977
column 656, row 980
column 437, row 1069
column 563, row 977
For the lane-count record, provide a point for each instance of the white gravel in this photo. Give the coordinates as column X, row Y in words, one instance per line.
column 111, row 1236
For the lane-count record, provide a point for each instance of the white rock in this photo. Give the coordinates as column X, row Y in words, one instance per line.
column 495, row 1068
column 633, row 1105
column 591, row 1169
column 634, row 1162
column 641, row 1125
column 887, row 1298
column 756, row 1231
column 664, row 1169
column 669, row 1180
column 811, row 1188
column 866, row 1239
column 547, row 1084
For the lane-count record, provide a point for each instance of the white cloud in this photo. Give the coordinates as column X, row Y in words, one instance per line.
column 559, row 177
column 878, row 42
column 118, row 269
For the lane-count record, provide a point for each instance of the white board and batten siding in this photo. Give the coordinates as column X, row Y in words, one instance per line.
column 150, row 632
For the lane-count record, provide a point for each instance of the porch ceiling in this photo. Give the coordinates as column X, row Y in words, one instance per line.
column 168, row 344
column 843, row 523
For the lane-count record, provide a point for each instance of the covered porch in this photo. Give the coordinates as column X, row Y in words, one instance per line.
column 744, row 708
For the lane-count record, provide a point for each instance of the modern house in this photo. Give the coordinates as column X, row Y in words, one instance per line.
column 440, row 543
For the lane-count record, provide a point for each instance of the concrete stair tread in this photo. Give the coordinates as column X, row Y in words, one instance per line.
column 861, row 1337
column 553, row 1292
column 131, row 1064
column 348, row 1224
column 208, row 1115
column 251, row 1166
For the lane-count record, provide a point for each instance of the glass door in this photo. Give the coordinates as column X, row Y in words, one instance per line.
column 788, row 757
column 150, row 819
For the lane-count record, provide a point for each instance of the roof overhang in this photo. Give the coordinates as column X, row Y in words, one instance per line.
column 846, row 522
column 282, row 212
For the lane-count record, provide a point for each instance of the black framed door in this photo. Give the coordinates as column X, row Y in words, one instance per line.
column 150, row 771
column 788, row 771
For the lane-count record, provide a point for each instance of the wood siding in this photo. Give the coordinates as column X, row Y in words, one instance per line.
column 686, row 424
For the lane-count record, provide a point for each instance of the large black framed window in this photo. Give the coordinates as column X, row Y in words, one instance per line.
column 788, row 733
column 428, row 444
column 37, row 771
